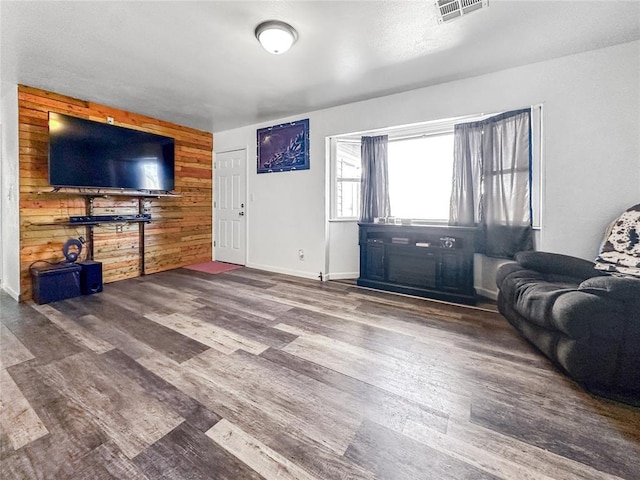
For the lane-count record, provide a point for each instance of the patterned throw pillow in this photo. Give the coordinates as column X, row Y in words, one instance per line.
column 620, row 250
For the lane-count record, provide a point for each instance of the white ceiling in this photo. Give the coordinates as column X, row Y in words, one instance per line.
column 199, row 64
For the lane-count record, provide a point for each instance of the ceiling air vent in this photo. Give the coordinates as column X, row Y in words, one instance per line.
column 451, row 9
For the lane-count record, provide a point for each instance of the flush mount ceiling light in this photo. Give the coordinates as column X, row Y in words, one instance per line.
column 275, row 36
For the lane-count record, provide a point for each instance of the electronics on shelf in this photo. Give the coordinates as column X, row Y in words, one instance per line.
column 139, row 217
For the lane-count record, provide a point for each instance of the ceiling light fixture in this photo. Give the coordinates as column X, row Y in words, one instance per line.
column 275, row 36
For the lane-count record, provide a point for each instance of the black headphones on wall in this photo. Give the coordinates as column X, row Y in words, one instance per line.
column 76, row 248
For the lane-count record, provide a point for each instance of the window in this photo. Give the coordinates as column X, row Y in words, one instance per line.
column 347, row 184
column 420, row 169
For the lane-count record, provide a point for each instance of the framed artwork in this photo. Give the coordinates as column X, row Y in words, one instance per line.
column 283, row 148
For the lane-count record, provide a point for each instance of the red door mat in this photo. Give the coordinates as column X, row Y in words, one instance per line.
column 214, row 267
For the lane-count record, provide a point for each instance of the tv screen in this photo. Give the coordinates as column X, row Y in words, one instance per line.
column 84, row 153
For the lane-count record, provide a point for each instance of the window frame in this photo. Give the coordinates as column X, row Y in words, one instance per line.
column 333, row 145
column 439, row 127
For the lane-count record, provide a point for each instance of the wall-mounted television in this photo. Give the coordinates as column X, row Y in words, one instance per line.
column 88, row 154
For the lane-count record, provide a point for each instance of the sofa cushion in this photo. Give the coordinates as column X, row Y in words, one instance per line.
column 582, row 315
column 505, row 270
column 558, row 265
column 529, row 293
column 559, row 303
column 535, row 300
column 622, row 288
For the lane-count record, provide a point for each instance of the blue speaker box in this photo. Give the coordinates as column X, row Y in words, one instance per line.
column 90, row 277
column 51, row 283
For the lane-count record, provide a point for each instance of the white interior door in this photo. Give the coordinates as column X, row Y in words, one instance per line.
column 229, row 212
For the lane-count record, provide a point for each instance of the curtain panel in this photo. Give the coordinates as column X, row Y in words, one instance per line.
column 466, row 207
column 374, row 182
column 492, row 182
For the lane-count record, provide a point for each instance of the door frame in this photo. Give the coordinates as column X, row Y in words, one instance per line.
column 247, row 212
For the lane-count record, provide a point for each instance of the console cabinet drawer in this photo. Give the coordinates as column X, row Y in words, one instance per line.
column 374, row 263
column 411, row 266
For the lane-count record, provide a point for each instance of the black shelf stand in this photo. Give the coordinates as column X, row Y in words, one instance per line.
column 90, row 224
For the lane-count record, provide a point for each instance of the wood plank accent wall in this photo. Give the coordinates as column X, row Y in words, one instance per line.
column 181, row 231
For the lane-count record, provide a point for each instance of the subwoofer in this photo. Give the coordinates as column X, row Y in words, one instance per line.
column 90, row 277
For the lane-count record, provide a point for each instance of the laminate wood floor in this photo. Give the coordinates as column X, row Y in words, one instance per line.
column 249, row 375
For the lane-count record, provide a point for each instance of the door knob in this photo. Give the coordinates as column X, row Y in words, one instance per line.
column 241, row 214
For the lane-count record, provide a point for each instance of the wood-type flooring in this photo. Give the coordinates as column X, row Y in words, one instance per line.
column 250, row 375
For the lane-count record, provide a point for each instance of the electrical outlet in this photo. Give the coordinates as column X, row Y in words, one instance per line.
column 110, row 120
column 301, row 254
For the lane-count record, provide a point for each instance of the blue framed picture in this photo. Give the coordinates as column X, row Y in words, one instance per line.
column 283, row 148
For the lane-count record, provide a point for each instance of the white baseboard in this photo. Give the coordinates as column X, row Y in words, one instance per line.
column 485, row 292
column 15, row 295
column 284, row 271
column 342, row 276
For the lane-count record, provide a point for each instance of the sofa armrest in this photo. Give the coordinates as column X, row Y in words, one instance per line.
column 606, row 307
column 505, row 270
column 621, row 288
column 581, row 314
column 558, row 264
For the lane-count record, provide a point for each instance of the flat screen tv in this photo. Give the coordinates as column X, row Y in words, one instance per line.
column 88, row 154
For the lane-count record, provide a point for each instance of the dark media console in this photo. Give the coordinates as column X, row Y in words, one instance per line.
column 422, row 260
column 84, row 219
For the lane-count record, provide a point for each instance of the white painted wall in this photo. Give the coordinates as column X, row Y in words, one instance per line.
column 9, row 191
column 344, row 252
column 591, row 166
column 285, row 211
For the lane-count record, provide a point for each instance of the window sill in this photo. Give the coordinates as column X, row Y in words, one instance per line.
column 343, row 220
column 433, row 223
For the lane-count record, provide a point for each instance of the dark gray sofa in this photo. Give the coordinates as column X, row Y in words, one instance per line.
column 587, row 322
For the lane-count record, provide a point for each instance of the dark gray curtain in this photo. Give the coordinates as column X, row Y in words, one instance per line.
column 465, row 207
column 375, row 179
column 492, row 182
